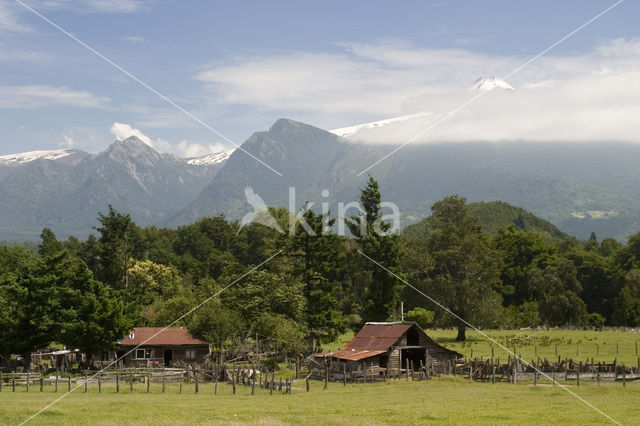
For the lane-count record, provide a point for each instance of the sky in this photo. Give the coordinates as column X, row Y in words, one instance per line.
column 239, row 66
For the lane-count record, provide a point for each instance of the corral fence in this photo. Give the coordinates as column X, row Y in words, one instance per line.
column 543, row 370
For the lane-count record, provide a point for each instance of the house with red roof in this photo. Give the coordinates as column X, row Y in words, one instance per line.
column 158, row 346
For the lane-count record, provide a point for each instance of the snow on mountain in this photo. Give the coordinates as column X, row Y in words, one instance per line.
column 64, row 155
column 210, row 159
column 490, row 83
column 345, row 132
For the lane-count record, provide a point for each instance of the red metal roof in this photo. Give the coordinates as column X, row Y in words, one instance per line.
column 352, row 354
column 158, row 336
column 378, row 336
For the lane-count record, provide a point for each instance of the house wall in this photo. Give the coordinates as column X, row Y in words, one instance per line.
column 154, row 355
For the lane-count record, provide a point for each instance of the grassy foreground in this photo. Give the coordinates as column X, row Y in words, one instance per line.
column 439, row 401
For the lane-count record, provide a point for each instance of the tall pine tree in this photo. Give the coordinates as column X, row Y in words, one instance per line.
column 320, row 260
column 381, row 289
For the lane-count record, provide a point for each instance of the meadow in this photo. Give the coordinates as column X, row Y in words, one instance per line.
column 441, row 400
column 444, row 400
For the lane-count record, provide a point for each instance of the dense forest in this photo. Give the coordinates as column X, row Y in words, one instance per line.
column 301, row 290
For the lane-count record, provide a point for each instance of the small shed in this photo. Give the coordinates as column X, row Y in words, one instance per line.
column 156, row 346
column 388, row 346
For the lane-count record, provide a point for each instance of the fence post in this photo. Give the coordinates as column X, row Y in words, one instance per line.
column 344, row 373
column 426, row 363
column 41, row 383
column 407, row 365
column 86, row 382
column 28, row 378
column 131, row 381
column 326, row 375
column 624, row 376
column 99, row 383
column 0, row 381
column 163, row 380
column 13, row 384
column 117, row 382
column 148, row 381
column 253, row 381
column 69, row 383
column 306, row 379
column 181, row 382
column 493, row 371
column 195, row 375
column 233, row 379
column 56, row 382
column 578, row 376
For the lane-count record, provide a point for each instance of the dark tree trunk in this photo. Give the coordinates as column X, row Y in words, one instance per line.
column 26, row 358
column 462, row 334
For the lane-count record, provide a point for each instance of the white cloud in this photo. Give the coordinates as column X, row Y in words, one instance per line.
column 587, row 96
column 9, row 21
column 123, row 131
column 68, row 141
column 14, row 97
column 96, row 6
column 183, row 149
column 135, row 39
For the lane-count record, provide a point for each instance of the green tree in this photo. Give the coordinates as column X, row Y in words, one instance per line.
column 50, row 244
column 421, row 316
column 218, row 325
column 319, row 260
column 374, row 238
column 284, row 335
column 28, row 285
column 95, row 320
column 465, row 277
column 119, row 239
column 627, row 307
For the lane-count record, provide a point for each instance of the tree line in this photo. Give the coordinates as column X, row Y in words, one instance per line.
column 87, row 294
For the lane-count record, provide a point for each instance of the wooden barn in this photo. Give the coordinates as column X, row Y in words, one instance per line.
column 175, row 345
column 381, row 347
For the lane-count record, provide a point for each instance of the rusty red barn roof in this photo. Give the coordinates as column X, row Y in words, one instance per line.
column 378, row 336
column 165, row 337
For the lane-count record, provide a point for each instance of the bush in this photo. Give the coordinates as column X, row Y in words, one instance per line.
column 596, row 321
column 421, row 316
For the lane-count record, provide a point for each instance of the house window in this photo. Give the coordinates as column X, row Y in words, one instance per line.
column 190, row 354
column 140, row 353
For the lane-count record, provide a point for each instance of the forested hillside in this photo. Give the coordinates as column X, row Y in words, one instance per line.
column 491, row 264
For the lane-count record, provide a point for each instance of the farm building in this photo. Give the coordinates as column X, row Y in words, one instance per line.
column 386, row 347
column 170, row 346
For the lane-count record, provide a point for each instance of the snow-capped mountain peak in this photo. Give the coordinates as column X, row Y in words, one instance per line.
column 210, row 159
column 63, row 155
column 345, row 132
column 490, row 83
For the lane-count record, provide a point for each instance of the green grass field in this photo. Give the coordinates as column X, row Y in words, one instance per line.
column 442, row 400
column 576, row 344
column 438, row 401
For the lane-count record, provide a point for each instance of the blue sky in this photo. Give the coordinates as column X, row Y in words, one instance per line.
column 241, row 65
